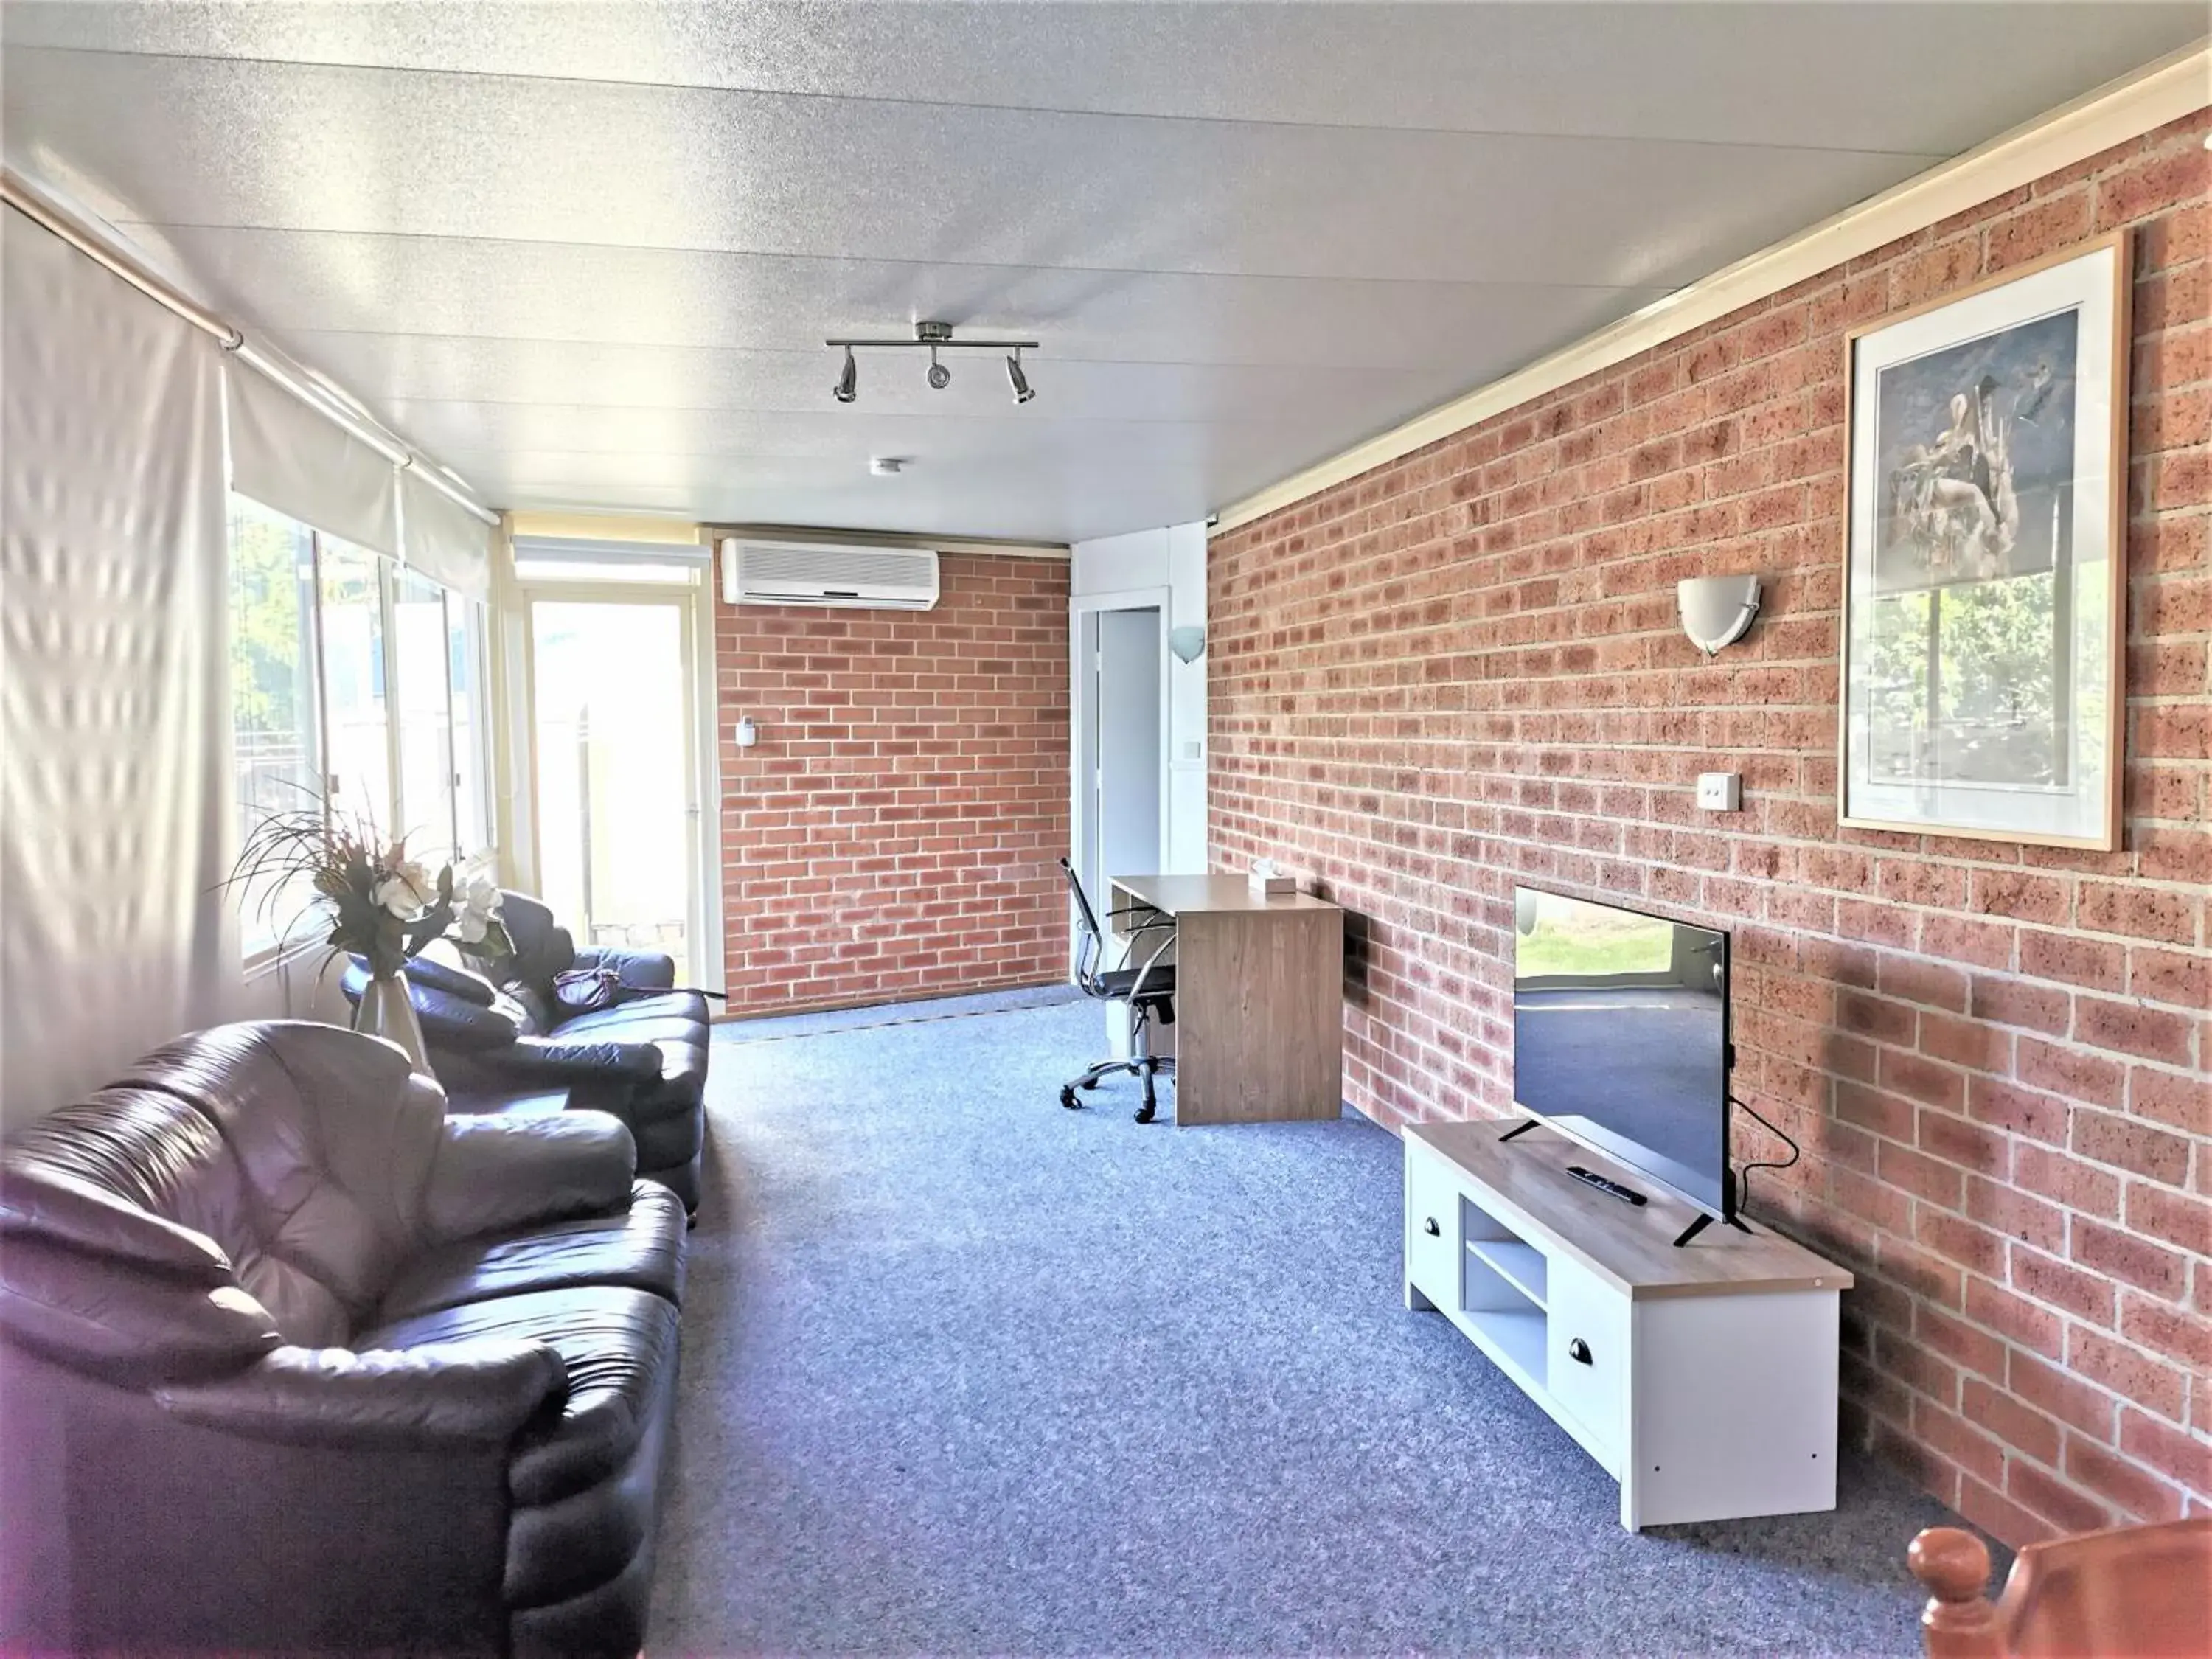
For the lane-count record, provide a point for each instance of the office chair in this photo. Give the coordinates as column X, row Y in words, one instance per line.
column 1148, row 990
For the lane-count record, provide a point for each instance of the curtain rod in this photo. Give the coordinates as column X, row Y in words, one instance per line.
column 106, row 251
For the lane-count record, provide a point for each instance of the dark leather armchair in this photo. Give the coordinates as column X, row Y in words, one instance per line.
column 290, row 1360
column 506, row 1032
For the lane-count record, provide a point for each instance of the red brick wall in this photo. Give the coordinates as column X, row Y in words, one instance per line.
column 892, row 834
column 1463, row 670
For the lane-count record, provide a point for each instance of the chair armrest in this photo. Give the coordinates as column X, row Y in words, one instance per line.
column 478, row 1393
column 638, row 970
column 499, row 1174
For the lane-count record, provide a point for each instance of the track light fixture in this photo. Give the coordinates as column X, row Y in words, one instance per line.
column 934, row 337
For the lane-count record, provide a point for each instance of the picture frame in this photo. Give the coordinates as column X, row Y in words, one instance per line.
column 1983, row 685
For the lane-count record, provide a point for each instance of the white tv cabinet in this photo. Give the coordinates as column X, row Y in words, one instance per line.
column 1702, row 1378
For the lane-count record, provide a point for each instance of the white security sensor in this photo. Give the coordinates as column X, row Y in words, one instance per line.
column 1716, row 611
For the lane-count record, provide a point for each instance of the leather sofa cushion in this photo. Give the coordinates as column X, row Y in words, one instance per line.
column 686, row 1005
column 634, row 1024
column 616, row 1343
column 642, row 1248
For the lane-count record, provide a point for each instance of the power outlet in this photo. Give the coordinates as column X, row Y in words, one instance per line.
column 1720, row 792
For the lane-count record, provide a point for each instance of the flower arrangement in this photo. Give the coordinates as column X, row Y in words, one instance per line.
column 383, row 905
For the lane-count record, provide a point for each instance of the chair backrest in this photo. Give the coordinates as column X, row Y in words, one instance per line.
column 1091, row 949
column 2142, row 1591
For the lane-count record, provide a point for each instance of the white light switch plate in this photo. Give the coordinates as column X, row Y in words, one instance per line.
column 1720, row 792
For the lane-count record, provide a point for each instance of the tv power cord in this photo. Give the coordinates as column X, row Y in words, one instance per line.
column 1743, row 1175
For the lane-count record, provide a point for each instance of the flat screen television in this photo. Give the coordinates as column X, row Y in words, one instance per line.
column 1620, row 1038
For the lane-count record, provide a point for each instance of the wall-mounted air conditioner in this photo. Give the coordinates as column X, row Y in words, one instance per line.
column 812, row 573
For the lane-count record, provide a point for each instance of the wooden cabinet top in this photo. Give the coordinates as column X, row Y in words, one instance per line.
column 1631, row 1245
column 1197, row 895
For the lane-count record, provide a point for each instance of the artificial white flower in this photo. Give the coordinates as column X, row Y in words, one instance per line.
column 406, row 892
column 476, row 905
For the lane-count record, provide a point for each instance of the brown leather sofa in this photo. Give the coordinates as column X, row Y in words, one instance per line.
column 292, row 1361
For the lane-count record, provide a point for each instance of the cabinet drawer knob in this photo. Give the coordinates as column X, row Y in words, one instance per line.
column 1579, row 1351
column 1430, row 1228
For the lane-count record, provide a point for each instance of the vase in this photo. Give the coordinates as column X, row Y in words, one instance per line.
column 386, row 1011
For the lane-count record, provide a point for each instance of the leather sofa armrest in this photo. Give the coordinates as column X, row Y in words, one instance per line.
column 478, row 1393
column 499, row 1174
column 448, row 1020
column 462, row 984
column 124, row 1322
column 37, row 1203
column 638, row 970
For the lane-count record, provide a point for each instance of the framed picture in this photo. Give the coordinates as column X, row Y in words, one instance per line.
column 1984, row 592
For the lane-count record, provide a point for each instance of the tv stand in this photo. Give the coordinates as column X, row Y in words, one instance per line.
column 1705, row 1220
column 1704, row 1381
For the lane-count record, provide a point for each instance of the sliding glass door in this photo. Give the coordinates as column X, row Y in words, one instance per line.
column 616, row 805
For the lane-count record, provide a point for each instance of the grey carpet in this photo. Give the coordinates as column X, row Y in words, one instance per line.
column 965, row 1373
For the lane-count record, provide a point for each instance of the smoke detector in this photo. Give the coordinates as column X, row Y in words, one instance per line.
column 887, row 467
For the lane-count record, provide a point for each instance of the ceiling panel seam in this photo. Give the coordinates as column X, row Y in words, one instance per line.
column 790, row 95
column 702, row 251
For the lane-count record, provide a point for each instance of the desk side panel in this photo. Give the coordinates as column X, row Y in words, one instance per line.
column 1260, row 997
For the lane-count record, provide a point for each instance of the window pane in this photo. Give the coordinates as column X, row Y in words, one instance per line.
column 465, row 664
column 426, row 761
column 610, row 570
column 360, row 760
column 272, row 693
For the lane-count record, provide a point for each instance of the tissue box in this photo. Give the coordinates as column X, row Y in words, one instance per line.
column 1277, row 885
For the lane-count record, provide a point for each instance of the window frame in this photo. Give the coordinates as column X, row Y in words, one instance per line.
column 471, row 762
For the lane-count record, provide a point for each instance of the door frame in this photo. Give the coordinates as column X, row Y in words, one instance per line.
column 1081, row 678
column 695, row 607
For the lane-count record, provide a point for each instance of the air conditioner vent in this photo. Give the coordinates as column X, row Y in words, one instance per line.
column 848, row 576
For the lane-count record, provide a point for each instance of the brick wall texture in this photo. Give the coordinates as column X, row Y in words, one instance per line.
column 893, row 832
column 1463, row 671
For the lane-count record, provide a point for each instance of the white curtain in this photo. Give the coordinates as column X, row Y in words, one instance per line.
column 444, row 540
column 115, row 803
column 286, row 456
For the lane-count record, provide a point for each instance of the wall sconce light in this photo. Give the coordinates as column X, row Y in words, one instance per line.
column 1716, row 611
column 1187, row 642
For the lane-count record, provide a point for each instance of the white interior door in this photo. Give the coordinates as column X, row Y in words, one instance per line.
column 1125, row 703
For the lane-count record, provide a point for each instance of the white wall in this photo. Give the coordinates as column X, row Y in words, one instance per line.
column 1171, row 558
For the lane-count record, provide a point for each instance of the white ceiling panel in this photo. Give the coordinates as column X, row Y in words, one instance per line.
column 587, row 253
column 653, row 296
column 1844, row 75
column 310, row 148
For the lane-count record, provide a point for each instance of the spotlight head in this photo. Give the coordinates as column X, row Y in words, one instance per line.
column 939, row 376
column 848, row 379
column 1019, row 382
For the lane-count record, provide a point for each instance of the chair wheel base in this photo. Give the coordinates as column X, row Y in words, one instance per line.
column 1146, row 1112
column 1067, row 1099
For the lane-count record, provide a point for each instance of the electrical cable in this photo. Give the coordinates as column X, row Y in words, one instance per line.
column 1743, row 1175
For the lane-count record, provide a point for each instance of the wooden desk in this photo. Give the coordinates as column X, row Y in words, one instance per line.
column 1259, row 998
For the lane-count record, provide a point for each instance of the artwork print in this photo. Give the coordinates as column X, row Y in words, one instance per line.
column 1975, row 450
column 1982, row 594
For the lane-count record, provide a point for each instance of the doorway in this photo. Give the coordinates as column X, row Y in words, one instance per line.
column 615, row 789
column 1120, row 700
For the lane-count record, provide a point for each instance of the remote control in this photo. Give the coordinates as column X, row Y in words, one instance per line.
column 1626, row 1194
